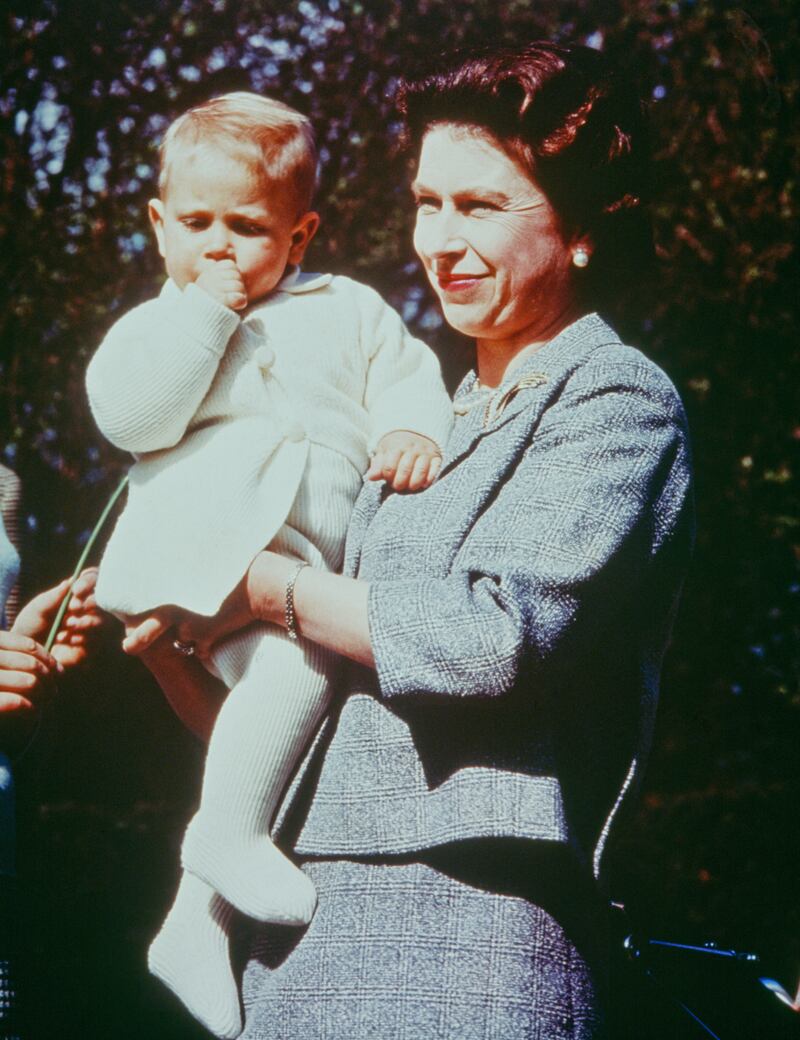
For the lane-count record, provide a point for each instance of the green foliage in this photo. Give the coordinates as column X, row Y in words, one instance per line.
column 88, row 88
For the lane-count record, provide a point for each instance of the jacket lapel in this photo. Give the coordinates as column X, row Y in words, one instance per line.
column 529, row 387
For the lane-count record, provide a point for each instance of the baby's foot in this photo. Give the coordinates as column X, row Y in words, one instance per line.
column 255, row 876
column 191, row 955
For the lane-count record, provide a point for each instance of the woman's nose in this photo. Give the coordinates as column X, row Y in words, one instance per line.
column 439, row 234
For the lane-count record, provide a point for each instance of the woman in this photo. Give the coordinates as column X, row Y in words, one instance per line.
column 507, row 624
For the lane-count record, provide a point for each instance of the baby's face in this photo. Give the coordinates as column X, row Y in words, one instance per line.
column 216, row 208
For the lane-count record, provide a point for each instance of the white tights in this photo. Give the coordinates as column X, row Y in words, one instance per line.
column 279, row 691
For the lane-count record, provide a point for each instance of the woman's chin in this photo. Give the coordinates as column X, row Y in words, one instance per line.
column 465, row 318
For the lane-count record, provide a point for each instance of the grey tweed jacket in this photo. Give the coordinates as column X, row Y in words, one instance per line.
column 519, row 610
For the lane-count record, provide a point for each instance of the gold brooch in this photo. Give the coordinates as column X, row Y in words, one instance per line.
column 495, row 406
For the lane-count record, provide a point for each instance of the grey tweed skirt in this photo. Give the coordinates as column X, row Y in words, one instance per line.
column 402, row 951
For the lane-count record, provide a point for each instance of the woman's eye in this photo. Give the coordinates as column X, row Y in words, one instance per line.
column 426, row 203
column 479, row 206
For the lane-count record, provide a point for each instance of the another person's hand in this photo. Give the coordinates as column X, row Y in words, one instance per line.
column 25, row 666
column 405, row 460
column 223, row 280
column 81, row 622
column 26, row 670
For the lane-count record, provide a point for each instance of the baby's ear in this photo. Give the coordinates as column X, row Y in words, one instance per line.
column 155, row 211
column 304, row 231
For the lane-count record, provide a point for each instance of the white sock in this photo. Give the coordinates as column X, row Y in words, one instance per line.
column 191, row 955
column 255, row 877
column 263, row 728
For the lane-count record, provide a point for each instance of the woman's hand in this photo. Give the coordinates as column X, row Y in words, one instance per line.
column 259, row 596
column 167, row 626
column 143, row 630
column 193, row 694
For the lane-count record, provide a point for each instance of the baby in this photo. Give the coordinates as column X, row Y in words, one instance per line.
column 251, row 396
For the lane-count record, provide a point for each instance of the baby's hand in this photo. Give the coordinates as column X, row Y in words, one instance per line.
column 408, row 461
column 223, row 280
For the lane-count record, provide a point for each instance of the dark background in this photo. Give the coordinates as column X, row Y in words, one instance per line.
column 87, row 89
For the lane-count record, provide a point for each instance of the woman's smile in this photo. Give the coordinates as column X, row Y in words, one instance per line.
column 491, row 242
column 458, row 283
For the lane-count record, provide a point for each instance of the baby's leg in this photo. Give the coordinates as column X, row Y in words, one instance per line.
column 191, row 955
column 262, row 730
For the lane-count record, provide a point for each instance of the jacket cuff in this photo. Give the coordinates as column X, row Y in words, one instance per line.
column 202, row 318
column 401, row 647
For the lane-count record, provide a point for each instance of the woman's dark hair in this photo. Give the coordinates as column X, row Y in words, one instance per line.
column 573, row 124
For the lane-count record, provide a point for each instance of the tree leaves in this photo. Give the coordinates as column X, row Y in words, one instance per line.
column 88, row 90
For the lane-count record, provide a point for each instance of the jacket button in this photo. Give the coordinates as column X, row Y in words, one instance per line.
column 264, row 358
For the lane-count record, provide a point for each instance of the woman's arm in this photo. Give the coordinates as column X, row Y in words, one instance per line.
column 590, row 530
column 193, row 694
column 563, row 549
column 329, row 609
column 595, row 515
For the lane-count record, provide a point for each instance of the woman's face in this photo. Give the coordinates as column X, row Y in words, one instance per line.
column 490, row 241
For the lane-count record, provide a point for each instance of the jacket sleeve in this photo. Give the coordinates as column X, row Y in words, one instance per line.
column 600, row 489
column 155, row 366
column 404, row 387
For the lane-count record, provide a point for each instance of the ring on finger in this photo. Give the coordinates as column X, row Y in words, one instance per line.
column 185, row 647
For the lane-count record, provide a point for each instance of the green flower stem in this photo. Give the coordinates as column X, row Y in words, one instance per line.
column 51, row 638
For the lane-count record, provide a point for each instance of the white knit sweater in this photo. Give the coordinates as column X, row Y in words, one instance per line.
column 223, row 413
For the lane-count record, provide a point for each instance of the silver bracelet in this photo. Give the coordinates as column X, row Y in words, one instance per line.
column 289, row 615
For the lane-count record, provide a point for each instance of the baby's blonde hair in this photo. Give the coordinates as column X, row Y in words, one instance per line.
column 277, row 139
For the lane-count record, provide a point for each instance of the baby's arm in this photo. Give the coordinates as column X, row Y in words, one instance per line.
column 408, row 461
column 410, row 410
column 155, row 366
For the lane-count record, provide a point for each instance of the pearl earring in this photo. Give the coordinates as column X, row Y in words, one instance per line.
column 580, row 256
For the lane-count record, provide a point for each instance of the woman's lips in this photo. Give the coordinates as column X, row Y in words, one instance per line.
column 457, row 282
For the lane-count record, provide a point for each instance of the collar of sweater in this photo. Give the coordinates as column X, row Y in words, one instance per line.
column 296, row 282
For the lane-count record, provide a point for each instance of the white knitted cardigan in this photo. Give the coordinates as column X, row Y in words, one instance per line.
column 220, row 411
